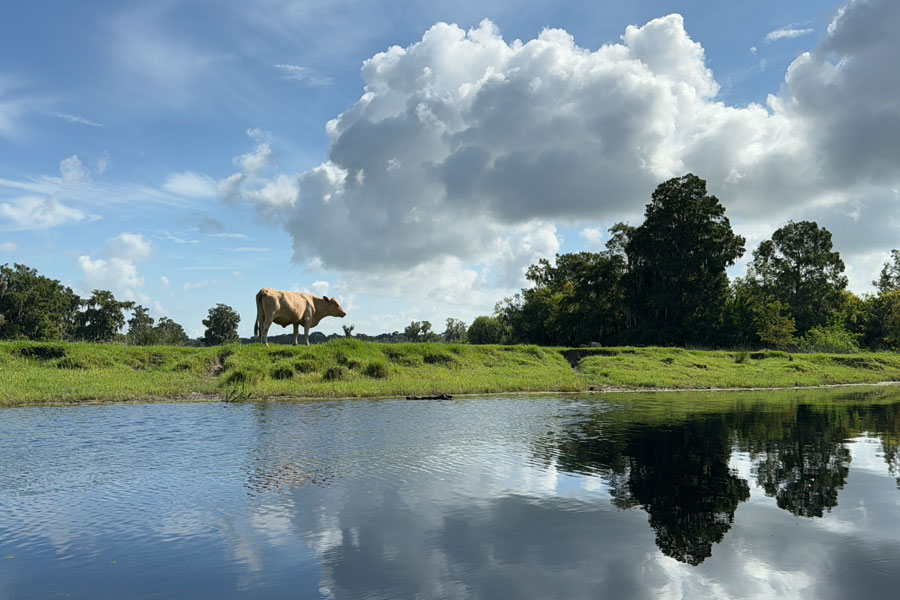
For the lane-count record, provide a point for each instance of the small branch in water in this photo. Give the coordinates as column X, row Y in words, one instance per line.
column 434, row 397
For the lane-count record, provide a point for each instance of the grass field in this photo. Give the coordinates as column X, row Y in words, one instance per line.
column 37, row 373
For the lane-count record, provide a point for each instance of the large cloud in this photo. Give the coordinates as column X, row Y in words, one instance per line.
column 463, row 139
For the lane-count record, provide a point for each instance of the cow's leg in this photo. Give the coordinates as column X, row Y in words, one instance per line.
column 264, row 331
column 306, row 333
column 296, row 332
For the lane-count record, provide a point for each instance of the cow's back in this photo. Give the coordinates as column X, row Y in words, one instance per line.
column 285, row 307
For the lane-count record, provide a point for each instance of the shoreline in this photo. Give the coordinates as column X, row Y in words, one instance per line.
column 220, row 398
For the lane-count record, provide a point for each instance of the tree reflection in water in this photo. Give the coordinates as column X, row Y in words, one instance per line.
column 677, row 468
column 806, row 466
column 680, row 476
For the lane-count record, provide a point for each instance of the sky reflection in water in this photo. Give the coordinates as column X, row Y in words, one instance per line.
column 639, row 496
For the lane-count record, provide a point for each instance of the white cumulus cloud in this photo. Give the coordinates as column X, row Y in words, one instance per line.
column 118, row 275
column 593, row 236
column 462, row 139
column 32, row 212
column 130, row 246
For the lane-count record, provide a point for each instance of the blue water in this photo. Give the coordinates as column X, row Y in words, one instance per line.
column 618, row 496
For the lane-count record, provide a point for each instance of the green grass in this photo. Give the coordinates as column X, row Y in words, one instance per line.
column 35, row 373
column 675, row 368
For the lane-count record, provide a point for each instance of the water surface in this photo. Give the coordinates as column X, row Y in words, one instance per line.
column 790, row 495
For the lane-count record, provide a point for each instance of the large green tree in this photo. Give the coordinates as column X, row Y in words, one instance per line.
column 576, row 300
column 799, row 268
column 33, row 306
column 221, row 326
column 676, row 281
column 102, row 317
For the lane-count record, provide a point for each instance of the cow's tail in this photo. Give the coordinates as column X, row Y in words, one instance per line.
column 259, row 312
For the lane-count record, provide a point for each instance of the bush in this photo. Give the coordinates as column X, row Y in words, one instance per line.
column 834, row 339
column 376, row 370
column 444, row 360
column 281, row 372
column 335, row 374
column 306, row 366
column 238, row 376
column 42, row 352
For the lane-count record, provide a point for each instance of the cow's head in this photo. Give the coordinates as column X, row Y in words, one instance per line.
column 334, row 307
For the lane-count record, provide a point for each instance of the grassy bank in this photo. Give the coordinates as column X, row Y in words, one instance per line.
column 34, row 373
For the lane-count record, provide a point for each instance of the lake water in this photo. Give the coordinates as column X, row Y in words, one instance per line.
column 742, row 495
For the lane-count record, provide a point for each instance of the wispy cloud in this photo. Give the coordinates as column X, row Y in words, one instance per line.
column 304, row 75
column 786, row 33
column 190, row 184
column 236, row 236
column 248, row 249
column 199, row 284
column 78, row 120
column 165, row 235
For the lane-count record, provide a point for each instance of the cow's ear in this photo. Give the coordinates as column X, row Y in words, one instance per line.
column 325, row 298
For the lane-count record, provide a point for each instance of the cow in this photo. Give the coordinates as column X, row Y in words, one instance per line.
column 292, row 308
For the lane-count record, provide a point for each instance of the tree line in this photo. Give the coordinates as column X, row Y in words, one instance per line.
column 35, row 307
column 665, row 283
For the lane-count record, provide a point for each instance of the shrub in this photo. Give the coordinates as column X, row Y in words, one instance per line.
column 335, row 374
column 376, row 370
column 238, row 376
column 42, row 352
column 834, row 339
column 281, row 372
column 444, row 360
column 306, row 366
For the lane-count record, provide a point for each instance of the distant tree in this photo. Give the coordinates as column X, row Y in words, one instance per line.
column 427, row 334
column 169, row 333
column 485, row 330
column 889, row 280
column 411, row 331
column 676, row 281
column 221, row 326
column 348, row 330
column 455, row 331
column 140, row 327
column 799, row 269
column 35, row 307
column 102, row 317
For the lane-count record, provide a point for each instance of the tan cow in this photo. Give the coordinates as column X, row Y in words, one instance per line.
column 292, row 308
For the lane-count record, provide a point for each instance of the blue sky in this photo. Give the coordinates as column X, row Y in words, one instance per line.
column 413, row 158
